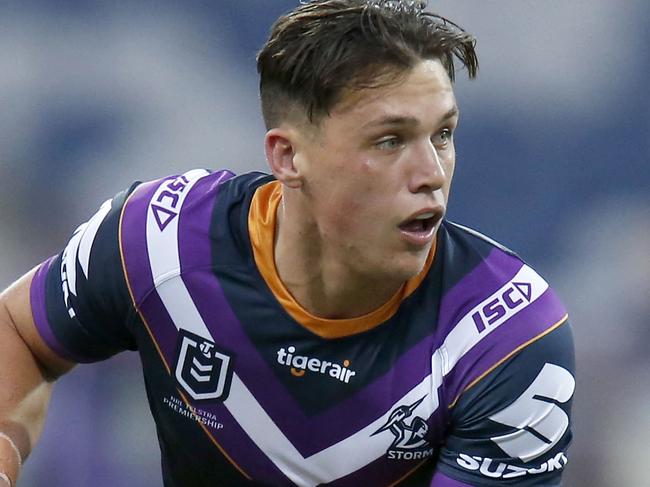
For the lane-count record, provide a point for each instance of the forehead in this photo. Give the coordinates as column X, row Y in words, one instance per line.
column 424, row 92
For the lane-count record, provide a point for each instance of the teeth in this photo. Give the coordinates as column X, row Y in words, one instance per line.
column 424, row 216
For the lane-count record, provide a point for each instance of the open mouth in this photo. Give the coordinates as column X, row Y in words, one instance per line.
column 419, row 230
column 423, row 223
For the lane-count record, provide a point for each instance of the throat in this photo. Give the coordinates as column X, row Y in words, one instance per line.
column 330, row 291
column 317, row 280
column 344, row 302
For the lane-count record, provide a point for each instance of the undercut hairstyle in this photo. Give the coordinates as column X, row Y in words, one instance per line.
column 325, row 48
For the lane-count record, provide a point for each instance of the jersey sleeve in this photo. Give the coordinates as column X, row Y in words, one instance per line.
column 512, row 427
column 80, row 300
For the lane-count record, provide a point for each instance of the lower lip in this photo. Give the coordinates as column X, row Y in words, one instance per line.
column 419, row 239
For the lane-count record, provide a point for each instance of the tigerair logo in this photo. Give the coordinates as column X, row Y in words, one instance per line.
column 301, row 364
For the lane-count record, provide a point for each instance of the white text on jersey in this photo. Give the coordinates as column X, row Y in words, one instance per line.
column 300, row 364
column 490, row 468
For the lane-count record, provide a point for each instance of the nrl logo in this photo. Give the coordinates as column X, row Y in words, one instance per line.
column 409, row 442
column 202, row 370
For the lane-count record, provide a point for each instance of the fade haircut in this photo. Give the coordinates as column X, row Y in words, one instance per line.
column 324, row 48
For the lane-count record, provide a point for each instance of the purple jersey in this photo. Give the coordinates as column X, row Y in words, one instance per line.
column 465, row 377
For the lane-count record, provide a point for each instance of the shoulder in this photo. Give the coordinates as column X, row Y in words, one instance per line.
column 474, row 237
column 162, row 200
column 493, row 307
column 167, row 222
column 487, row 278
column 164, row 197
column 466, row 248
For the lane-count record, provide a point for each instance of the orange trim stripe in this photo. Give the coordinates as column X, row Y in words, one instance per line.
column 162, row 356
column 516, row 350
column 213, row 439
column 261, row 227
column 128, row 283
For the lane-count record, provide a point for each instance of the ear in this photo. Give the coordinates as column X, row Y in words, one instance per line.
column 279, row 145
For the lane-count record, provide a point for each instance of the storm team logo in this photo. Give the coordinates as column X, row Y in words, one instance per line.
column 410, row 437
column 203, row 370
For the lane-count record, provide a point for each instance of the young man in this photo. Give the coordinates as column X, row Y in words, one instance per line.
column 324, row 324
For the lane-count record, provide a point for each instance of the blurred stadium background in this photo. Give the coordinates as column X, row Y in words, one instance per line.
column 553, row 160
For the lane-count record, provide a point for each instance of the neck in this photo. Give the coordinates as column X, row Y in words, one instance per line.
column 320, row 281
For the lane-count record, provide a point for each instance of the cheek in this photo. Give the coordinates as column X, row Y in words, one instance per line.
column 352, row 186
column 355, row 212
column 345, row 210
column 348, row 195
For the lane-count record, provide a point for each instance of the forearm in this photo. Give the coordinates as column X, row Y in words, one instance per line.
column 25, row 389
column 20, row 427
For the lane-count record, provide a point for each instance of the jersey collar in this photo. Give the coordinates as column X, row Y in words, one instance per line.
column 261, row 228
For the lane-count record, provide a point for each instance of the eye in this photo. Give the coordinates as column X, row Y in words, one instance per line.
column 389, row 143
column 442, row 138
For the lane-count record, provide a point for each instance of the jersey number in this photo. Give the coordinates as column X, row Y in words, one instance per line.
column 540, row 422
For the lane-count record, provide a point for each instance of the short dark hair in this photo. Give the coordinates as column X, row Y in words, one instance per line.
column 324, row 47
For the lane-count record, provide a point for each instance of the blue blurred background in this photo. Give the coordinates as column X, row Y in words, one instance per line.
column 553, row 161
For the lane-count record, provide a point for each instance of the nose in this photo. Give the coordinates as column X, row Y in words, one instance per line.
column 427, row 173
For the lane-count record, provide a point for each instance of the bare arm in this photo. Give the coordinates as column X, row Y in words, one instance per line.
column 27, row 370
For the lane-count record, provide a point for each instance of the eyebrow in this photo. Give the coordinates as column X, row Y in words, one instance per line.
column 404, row 120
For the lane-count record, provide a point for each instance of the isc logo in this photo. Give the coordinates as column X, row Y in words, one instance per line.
column 166, row 208
column 515, row 296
